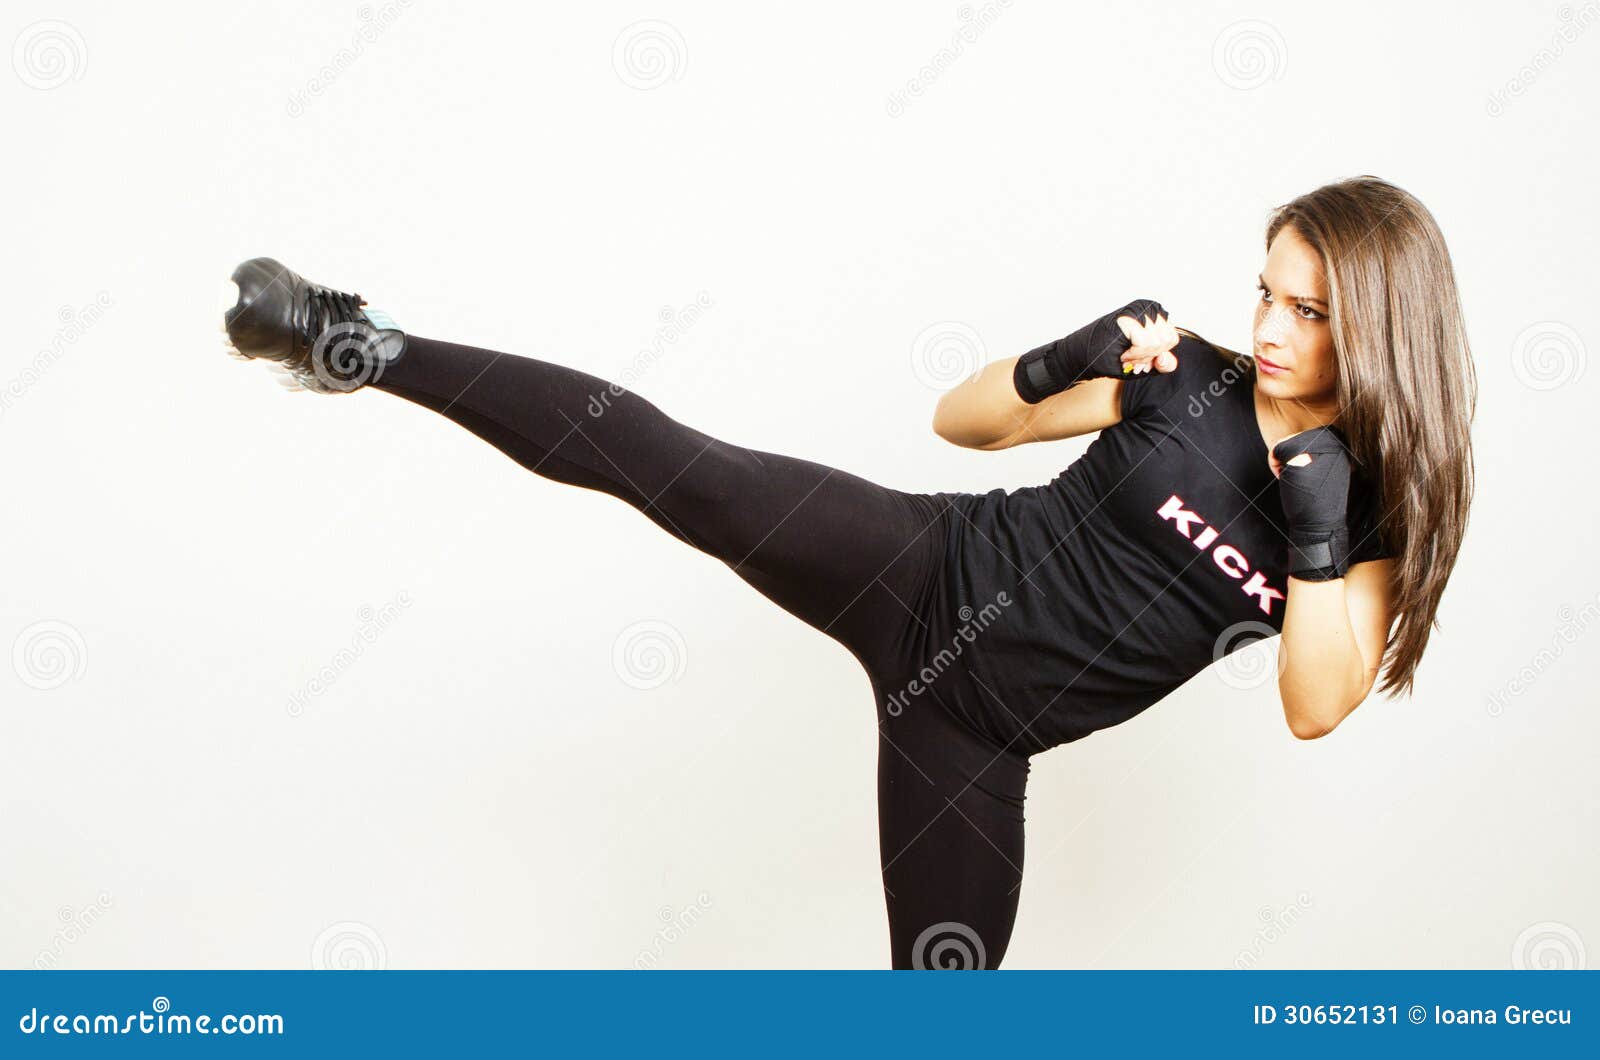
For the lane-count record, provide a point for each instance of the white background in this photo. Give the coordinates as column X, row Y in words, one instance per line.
column 186, row 547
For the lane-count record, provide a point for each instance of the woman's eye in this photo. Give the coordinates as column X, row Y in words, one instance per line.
column 1309, row 314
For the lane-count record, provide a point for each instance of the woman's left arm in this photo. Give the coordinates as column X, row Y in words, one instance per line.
column 1334, row 633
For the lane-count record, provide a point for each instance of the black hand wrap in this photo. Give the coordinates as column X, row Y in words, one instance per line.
column 1314, row 501
column 1093, row 350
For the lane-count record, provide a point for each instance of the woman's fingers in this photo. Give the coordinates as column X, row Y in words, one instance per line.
column 1152, row 340
column 1298, row 460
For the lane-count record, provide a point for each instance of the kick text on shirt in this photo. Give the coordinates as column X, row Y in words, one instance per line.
column 1231, row 561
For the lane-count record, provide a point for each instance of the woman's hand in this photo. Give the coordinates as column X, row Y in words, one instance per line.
column 1313, row 469
column 1277, row 467
column 1153, row 340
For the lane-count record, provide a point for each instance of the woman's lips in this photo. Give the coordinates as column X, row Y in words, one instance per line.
column 1269, row 367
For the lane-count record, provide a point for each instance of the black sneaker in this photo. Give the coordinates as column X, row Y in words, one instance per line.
column 324, row 340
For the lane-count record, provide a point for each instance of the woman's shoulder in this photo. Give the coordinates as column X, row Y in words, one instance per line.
column 1205, row 373
column 1211, row 359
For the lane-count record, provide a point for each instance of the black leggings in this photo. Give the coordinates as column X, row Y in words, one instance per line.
column 853, row 559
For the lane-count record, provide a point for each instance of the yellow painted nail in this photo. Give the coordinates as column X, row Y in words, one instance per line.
column 1126, row 368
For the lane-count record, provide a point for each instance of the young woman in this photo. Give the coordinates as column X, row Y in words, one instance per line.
column 1317, row 489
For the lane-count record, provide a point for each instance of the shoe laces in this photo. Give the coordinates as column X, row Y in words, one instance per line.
column 326, row 308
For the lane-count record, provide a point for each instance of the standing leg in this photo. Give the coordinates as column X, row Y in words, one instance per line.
column 845, row 555
column 950, row 833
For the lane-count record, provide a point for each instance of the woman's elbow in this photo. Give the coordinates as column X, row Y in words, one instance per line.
column 943, row 424
column 1312, row 721
column 1310, row 728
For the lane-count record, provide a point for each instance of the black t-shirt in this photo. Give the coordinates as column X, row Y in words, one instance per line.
column 1158, row 551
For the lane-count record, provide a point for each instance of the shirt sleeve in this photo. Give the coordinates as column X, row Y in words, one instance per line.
column 1364, row 522
column 1144, row 395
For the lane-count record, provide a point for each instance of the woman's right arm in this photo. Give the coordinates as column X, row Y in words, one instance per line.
column 1067, row 388
column 986, row 412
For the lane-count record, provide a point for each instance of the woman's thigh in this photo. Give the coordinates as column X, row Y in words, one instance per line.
column 851, row 558
column 848, row 556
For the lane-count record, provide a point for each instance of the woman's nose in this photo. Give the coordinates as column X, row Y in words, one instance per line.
column 1273, row 327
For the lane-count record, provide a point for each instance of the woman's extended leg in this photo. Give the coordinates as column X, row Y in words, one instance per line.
column 847, row 556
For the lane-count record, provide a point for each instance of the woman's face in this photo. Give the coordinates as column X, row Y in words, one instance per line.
column 1293, row 343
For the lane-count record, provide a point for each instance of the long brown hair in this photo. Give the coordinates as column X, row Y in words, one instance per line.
column 1407, row 388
